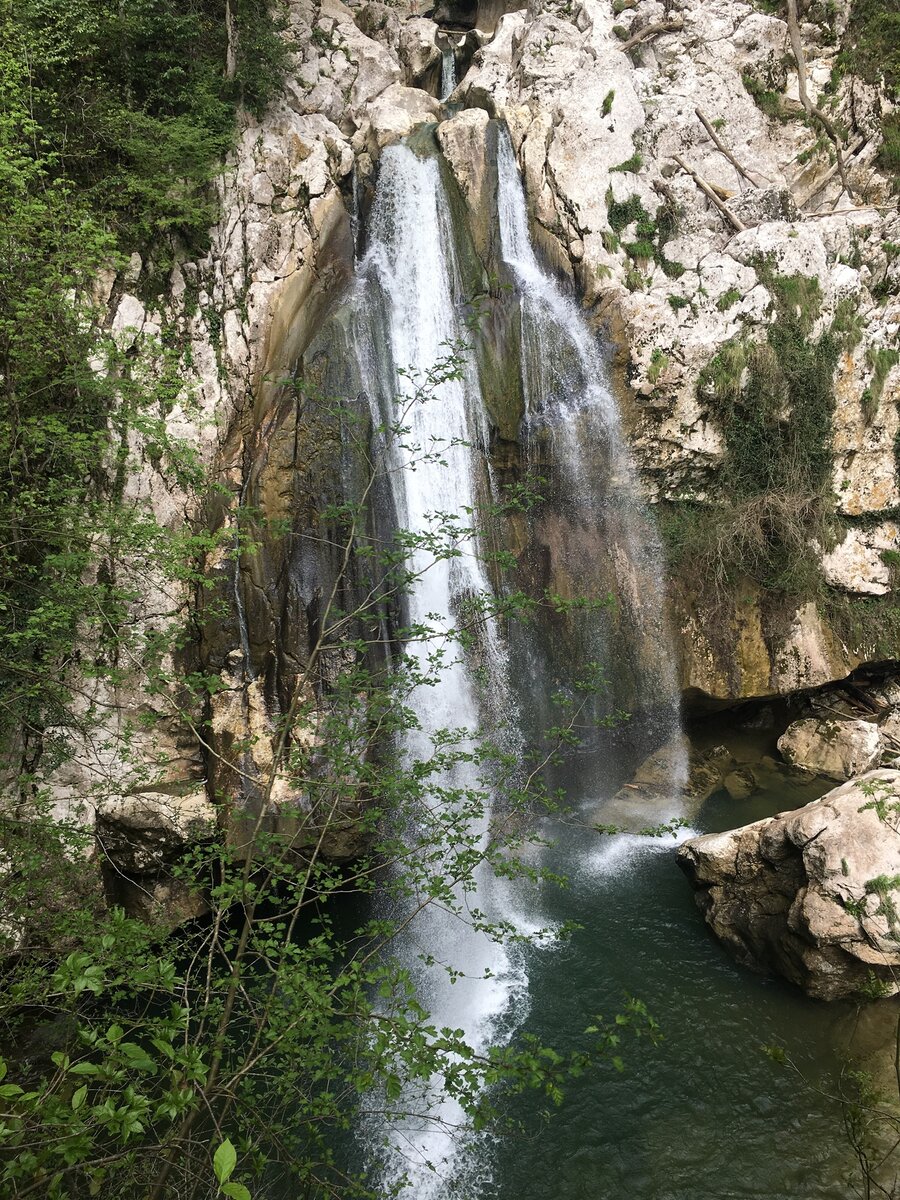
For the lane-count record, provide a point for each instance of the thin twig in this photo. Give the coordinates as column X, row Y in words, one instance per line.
column 723, row 149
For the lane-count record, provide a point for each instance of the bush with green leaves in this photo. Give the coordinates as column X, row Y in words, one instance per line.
column 113, row 121
column 236, row 1051
column 773, row 400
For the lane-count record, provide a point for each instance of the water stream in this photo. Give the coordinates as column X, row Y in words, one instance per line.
column 410, row 342
column 448, row 73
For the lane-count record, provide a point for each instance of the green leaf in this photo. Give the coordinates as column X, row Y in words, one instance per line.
column 9, row 1091
column 224, row 1161
column 137, row 1056
column 236, row 1191
column 78, row 1097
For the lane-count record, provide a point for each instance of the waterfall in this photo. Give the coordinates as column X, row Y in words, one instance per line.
column 569, row 400
column 448, row 73
column 407, row 323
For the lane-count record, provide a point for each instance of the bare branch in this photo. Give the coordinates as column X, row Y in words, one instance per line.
column 673, row 25
column 793, row 23
column 709, row 190
column 722, row 148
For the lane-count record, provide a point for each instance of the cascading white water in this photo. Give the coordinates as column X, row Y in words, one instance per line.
column 567, row 393
column 448, row 73
column 406, row 306
column 406, row 318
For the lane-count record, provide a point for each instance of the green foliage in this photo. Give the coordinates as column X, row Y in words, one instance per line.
column 652, row 235
column 113, row 119
column 874, row 988
column 848, row 324
column 620, row 213
column 871, row 624
column 871, row 50
column 639, row 249
column 728, row 299
column 765, row 99
column 630, row 165
column 871, row 45
column 889, row 154
column 881, row 359
column 678, row 302
column 606, row 107
column 773, row 401
column 132, row 103
column 166, row 1062
column 658, row 364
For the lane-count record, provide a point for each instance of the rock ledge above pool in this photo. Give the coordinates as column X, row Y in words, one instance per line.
column 812, row 894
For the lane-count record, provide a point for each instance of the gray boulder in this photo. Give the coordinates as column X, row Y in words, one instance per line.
column 839, row 748
column 811, row 894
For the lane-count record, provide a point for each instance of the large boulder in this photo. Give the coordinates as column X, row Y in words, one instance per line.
column 397, row 112
column 811, row 894
column 837, row 747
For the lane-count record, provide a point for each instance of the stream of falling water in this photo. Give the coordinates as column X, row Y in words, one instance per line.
column 448, row 73
column 407, row 318
column 569, row 398
column 409, row 324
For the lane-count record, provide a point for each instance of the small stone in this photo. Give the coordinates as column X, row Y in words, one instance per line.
column 740, row 784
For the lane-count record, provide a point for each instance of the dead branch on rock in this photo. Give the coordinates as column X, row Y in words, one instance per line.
column 673, row 25
column 723, row 149
column 813, row 190
column 826, row 123
column 847, row 212
column 709, row 190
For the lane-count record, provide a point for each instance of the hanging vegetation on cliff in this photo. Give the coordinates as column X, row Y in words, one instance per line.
column 113, row 121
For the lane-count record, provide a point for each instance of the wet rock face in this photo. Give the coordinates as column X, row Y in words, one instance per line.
column 812, row 894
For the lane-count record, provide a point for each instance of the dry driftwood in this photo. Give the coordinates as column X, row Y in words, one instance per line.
column 723, row 149
column 708, row 190
column 649, row 31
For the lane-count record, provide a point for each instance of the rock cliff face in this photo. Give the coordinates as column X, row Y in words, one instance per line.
column 611, row 108
column 811, row 894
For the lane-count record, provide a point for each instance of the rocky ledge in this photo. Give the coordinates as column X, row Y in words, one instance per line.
column 811, row 894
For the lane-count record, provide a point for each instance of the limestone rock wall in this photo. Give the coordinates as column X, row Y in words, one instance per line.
column 597, row 114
